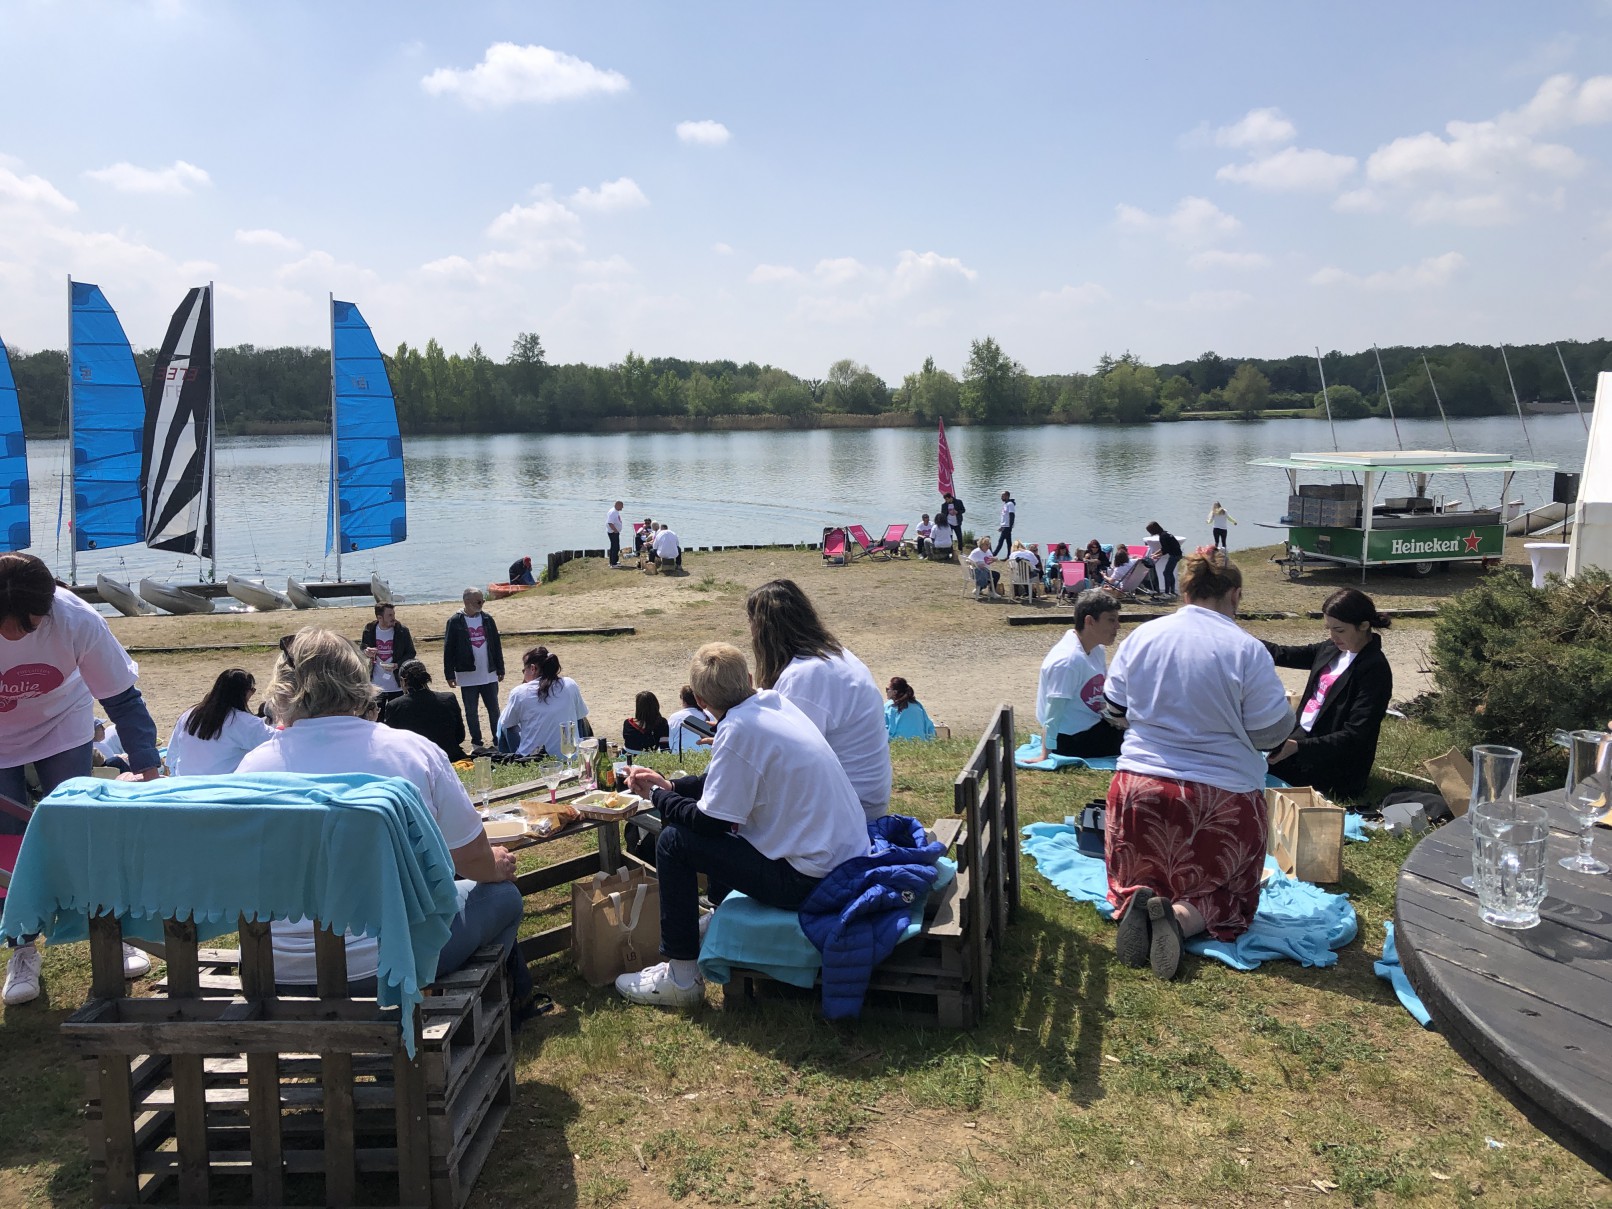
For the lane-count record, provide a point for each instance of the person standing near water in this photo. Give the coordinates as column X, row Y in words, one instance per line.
column 473, row 662
column 1004, row 528
column 951, row 515
column 613, row 531
column 1219, row 518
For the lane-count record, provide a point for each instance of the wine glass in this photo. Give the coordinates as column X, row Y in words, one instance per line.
column 484, row 780
column 1494, row 779
column 568, row 742
column 1586, row 794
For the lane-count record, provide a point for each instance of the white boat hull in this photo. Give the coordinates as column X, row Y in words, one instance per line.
column 259, row 596
column 174, row 600
column 122, row 597
column 380, row 590
column 300, row 596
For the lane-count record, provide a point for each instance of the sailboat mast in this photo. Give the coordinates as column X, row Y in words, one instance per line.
column 1388, row 396
column 1512, row 382
column 212, row 424
column 1324, row 399
column 1450, row 435
column 1570, row 388
column 72, row 493
column 335, row 461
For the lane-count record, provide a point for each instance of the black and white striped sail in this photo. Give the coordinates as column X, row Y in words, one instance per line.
column 178, row 478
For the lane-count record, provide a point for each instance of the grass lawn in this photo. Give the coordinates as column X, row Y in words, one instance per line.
column 1089, row 1083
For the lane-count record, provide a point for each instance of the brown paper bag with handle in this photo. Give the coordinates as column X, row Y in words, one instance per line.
column 615, row 924
column 1452, row 774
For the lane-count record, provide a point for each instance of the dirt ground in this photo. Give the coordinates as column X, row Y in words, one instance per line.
column 905, row 617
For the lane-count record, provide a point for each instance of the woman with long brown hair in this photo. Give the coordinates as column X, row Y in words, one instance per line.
column 212, row 735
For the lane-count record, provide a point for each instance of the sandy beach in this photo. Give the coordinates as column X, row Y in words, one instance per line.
column 905, row 617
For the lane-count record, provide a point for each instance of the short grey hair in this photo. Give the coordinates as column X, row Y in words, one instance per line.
column 322, row 676
column 1093, row 603
column 719, row 675
column 476, row 592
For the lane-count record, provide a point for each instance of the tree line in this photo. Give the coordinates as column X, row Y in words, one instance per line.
column 288, row 389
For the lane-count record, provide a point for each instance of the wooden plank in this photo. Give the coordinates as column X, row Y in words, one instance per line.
column 189, row 1088
column 263, row 1094
column 991, row 815
column 341, row 1172
column 119, row 1176
column 106, row 957
column 257, row 1037
column 561, row 874
column 546, row 943
column 1010, row 809
column 257, row 960
column 330, row 962
column 413, row 1139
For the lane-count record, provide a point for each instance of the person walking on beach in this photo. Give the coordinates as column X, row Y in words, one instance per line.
column 951, row 515
column 1004, row 528
column 1219, row 518
column 613, row 531
column 473, row 661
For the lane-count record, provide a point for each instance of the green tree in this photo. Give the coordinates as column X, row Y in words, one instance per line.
column 1347, row 403
column 1178, row 394
column 931, row 393
column 854, row 388
column 1131, row 390
column 1247, row 392
column 995, row 387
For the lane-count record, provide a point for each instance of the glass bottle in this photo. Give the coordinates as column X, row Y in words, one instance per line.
column 604, row 773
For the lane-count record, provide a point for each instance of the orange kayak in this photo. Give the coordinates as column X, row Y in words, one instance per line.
column 499, row 591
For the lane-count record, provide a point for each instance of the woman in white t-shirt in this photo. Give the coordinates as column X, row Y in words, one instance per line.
column 539, row 706
column 797, row 656
column 1186, row 824
column 680, row 735
column 212, row 735
column 980, row 559
column 322, row 693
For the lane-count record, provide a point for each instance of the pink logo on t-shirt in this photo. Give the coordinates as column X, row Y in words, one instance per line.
column 27, row 680
column 383, row 650
column 1091, row 693
column 478, row 636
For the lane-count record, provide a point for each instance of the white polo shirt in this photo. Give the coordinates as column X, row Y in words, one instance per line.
column 839, row 695
column 1069, row 694
column 613, row 521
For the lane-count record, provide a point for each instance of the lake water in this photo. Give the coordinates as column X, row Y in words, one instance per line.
column 476, row 503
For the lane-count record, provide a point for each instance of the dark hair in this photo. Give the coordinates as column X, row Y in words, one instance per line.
column 413, row 676
column 382, row 607
column 686, row 696
column 27, row 589
column 229, row 693
column 548, row 669
column 1352, row 606
column 1155, row 528
column 784, row 626
column 1205, row 578
column 1093, row 603
column 1062, row 550
column 646, row 710
column 903, row 694
column 1094, row 546
column 1122, row 554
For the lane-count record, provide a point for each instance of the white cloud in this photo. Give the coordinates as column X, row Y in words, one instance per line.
column 1431, row 273
column 1235, row 261
column 1087, row 293
column 622, row 194
column 1562, row 102
column 1473, row 210
column 722, row 249
column 706, row 133
column 839, row 270
column 610, row 266
column 509, row 75
column 765, row 274
column 1257, row 128
column 30, row 190
column 1474, row 151
column 175, row 180
column 1194, row 221
column 541, row 219
column 916, row 271
column 1291, row 168
column 323, row 270
column 1207, row 302
column 1359, row 201
column 263, row 237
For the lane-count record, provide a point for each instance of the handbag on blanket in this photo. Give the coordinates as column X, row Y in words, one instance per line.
column 615, row 924
column 1091, row 830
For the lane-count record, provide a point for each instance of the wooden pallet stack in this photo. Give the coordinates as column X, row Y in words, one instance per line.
column 940, row 977
column 221, row 1090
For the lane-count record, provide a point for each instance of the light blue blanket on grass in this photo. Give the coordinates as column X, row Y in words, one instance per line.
column 745, row 934
column 1295, row 919
column 360, row 853
column 1390, row 969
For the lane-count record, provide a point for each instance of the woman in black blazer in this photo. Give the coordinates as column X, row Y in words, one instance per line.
column 1334, row 753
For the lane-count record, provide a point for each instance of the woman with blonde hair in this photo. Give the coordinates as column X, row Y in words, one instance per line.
column 1186, row 825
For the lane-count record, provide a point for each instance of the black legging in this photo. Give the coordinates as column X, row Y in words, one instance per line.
column 1166, row 565
column 1220, row 538
column 1100, row 739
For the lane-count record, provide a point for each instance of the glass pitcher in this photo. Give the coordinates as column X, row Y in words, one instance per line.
column 1494, row 779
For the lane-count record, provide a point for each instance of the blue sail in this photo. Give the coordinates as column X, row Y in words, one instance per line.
column 14, row 531
column 109, row 416
column 367, row 504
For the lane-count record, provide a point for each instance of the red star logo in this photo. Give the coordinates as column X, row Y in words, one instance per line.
column 1472, row 541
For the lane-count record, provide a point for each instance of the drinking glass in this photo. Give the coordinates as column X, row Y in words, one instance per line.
column 1508, row 851
column 1586, row 794
column 568, row 741
column 1494, row 779
column 484, row 779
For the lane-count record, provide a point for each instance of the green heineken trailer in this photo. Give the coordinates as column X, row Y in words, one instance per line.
column 1346, row 523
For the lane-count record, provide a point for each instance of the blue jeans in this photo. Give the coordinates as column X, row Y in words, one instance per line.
column 489, row 913
column 52, row 770
column 470, row 694
column 729, row 863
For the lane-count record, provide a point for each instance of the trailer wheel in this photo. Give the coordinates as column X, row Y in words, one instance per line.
column 1419, row 570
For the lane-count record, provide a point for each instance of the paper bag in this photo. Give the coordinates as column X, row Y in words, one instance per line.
column 615, row 924
column 1452, row 774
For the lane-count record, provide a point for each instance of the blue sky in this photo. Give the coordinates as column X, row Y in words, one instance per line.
column 796, row 184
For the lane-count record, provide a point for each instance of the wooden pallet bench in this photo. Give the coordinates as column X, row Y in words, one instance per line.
column 941, row 976
column 219, row 1090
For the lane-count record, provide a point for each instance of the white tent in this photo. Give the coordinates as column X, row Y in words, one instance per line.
column 1591, row 543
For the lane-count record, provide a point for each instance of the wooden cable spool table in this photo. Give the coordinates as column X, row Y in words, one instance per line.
column 1530, row 1010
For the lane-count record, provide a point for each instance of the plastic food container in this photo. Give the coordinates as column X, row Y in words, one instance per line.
column 603, row 804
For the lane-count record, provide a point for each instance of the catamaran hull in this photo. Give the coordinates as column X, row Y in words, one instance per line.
column 300, row 596
column 259, row 596
column 122, row 597
column 380, row 590
column 174, row 600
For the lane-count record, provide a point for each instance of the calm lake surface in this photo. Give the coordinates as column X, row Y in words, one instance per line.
column 477, row 503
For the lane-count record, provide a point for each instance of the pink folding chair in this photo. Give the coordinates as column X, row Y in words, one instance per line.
column 889, row 546
column 834, row 552
column 860, row 535
column 1073, row 574
column 10, row 845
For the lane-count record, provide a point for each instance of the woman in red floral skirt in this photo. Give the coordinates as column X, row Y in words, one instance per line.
column 1186, row 811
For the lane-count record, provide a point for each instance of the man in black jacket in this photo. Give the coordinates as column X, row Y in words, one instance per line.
column 473, row 660
column 387, row 643
column 951, row 514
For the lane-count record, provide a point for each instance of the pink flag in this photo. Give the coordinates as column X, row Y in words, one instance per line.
column 946, row 486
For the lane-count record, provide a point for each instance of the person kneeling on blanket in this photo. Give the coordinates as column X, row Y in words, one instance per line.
column 1069, row 698
column 775, row 814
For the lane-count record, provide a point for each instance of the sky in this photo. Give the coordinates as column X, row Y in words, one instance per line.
column 796, row 184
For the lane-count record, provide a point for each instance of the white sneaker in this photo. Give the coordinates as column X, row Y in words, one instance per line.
column 705, row 923
column 135, row 963
column 22, row 975
column 656, row 987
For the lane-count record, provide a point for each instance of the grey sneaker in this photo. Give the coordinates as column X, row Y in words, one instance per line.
column 1134, row 938
column 135, row 963
column 22, row 975
column 1164, row 951
column 656, row 987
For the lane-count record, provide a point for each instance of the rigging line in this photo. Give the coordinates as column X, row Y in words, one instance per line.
column 1446, row 420
column 1528, row 440
column 1570, row 387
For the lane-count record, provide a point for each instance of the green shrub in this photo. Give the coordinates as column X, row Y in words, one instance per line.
column 1515, row 663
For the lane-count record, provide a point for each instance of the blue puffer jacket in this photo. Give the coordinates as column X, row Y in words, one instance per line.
column 858, row 913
